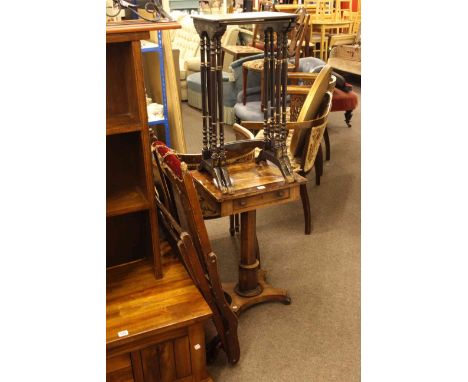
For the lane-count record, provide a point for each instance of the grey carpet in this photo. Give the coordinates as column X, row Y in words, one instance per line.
column 317, row 337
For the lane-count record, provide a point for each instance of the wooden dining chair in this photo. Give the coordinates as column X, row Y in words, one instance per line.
column 182, row 217
column 322, row 9
column 256, row 45
column 307, row 126
column 295, row 46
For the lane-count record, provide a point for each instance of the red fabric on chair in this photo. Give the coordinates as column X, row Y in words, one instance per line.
column 343, row 101
column 169, row 157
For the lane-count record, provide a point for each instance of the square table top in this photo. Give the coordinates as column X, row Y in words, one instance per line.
column 246, row 17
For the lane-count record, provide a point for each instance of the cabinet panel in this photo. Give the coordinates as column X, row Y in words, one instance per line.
column 128, row 238
column 182, row 357
column 166, row 356
column 125, row 169
column 121, row 86
column 119, row 369
column 150, row 362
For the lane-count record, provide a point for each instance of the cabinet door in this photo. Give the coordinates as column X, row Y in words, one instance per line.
column 167, row 362
column 119, row 369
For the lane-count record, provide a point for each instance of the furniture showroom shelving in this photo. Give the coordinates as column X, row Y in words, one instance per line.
column 132, row 227
column 150, row 47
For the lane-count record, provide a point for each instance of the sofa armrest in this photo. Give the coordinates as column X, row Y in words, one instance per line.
column 249, row 93
column 192, row 64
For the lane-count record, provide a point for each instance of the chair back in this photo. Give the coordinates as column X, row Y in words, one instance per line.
column 195, row 251
column 298, row 35
column 310, row 107
column 262, row 6
column 314, row 135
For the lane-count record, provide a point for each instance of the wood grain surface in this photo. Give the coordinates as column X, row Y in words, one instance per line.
column 142, row 305
column 246, row 179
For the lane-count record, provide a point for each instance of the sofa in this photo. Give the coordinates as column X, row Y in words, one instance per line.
column 187, row 41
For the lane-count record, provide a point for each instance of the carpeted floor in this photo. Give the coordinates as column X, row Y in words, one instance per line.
column 317, row 337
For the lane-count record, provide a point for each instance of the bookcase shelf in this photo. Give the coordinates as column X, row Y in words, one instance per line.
column 126, row 201
column 122, row 123
column 131, row 219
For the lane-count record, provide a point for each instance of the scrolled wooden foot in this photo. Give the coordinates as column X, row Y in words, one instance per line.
column 269, row 294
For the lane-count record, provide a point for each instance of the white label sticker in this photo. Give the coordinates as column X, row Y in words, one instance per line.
column 123, row 333
column 261, row 187
column 197, row 346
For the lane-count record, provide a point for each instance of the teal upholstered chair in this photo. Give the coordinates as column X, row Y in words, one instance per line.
column 345, row 101
column 232, row 85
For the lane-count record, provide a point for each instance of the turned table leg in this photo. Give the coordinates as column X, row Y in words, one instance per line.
column 251, row 289
column 248, row 285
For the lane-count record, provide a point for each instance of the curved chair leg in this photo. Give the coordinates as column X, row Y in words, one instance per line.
column 306, row 208
column 348, row 115
column 318, row 166
column 236, row 218
column 232, row 230
column 245, row 73
column 327, row 144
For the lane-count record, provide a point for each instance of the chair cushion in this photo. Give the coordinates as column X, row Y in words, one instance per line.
column 253, row 94
column 251, row 111
column 344, row 101
column 258, row 64
column 308, row 64
column 168, row 157
column 194, row 81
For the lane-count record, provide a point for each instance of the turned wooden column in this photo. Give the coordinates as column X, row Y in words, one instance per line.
column 248, row 285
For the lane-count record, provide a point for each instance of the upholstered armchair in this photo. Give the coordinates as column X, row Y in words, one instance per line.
column 342, row 100
column 187, row 41
column 308, row 116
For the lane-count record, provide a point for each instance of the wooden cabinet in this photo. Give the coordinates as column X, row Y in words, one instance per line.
column 177, row 359
column 154, row 328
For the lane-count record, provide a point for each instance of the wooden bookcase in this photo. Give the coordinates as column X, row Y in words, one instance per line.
column 132, row 227
column 154, row 324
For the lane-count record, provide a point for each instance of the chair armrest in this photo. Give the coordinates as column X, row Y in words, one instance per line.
column 192, row 64
column 249, row 92
column 302, row 76
column 251, row 125
column 242, row 132
column 298, row 89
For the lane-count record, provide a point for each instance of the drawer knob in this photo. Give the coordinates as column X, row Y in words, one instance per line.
column 242, row 202
column 280, row 193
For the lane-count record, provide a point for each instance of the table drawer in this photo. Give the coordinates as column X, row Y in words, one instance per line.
column 261, row 200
